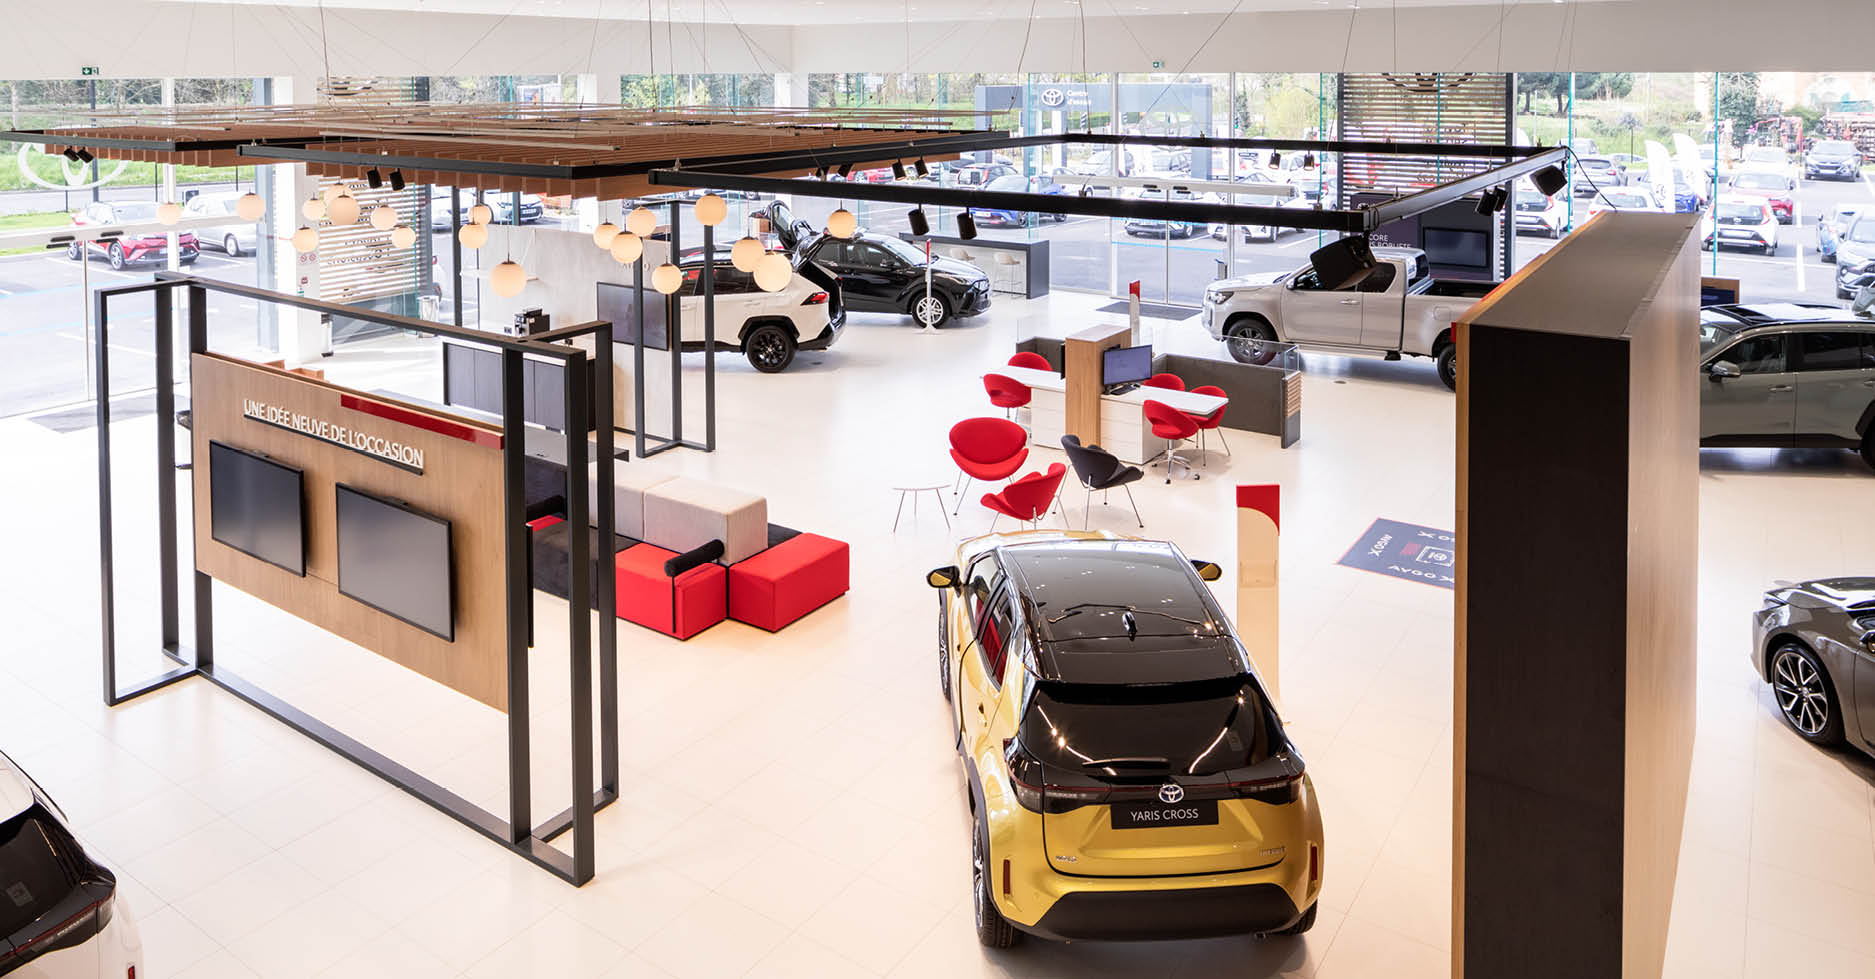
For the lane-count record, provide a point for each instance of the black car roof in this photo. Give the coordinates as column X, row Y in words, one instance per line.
column 1119, row 611
column 1768, row 314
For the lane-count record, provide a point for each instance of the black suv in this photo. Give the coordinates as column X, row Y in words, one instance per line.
column 1787, row 375
column 883, row 274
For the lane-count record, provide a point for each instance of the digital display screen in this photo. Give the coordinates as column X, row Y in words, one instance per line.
column 1449, row 246
column 396, row 560
column 618, row 305
column 257, row 506
column 1125, row 365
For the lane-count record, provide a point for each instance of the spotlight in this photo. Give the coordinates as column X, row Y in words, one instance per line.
column 921, row 169
column 1549, row 180
column 820, row 173
column 1491, row 201
column 374, row 179
column 1308, row 161
column 920, row 225
column 1276, row 160
column 71, row 153
column 846, row 170
column 397, row 180
column 966, row 225
column 84, row 155
column 898, row 169
column 1343, row 263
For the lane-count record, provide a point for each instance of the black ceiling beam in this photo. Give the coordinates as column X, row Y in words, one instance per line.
column 1445, row 193
column 1375, row 147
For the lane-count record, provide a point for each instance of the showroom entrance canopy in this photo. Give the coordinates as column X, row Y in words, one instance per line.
column 609, row 152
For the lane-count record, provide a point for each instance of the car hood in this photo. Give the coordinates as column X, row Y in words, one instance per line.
column 1257, row 281
column 1815, row 157
column 956, row 269
column 1855, row 251
column 1845, row 593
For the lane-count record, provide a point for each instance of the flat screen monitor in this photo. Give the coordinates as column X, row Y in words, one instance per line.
column 1452, row 246
column 257, row 506
column 396, row 559
column 1125, row 365
column 618, row 305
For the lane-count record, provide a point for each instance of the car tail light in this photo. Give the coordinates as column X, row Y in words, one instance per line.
column 1035, row 795
column 816, row 299
column 1277, row 791
column 74, row 929
column 1315, row 863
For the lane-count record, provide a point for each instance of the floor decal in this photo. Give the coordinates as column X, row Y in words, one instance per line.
column 1406, row 550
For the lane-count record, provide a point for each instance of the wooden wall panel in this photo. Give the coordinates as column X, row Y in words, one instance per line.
column 460, row 482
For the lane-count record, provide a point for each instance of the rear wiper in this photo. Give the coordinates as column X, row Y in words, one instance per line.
column 1147, row 761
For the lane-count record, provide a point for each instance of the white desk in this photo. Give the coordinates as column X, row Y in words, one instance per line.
column 1124, row 430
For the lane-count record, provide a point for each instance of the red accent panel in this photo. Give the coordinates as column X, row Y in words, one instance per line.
column 542, row 523
column 418, row 419
column 1132, row 287
column 789, row 580
column 682, row 606
column 1265, row 498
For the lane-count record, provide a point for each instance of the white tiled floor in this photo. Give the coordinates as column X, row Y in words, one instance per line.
column 791, row 806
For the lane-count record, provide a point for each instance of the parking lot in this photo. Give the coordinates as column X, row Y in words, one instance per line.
column 44, row 354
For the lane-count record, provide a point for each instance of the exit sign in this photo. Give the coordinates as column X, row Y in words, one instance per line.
column 1156, row 65
column 90, row 70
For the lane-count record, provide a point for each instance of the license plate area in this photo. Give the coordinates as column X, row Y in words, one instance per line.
column 1146, row 815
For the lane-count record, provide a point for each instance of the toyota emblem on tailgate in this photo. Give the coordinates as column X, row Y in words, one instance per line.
column 1171, row 792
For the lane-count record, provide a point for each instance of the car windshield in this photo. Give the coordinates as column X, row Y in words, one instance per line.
column 1624, row 200
column 1148, row 730
column 1761, row 181
column 126, row 213
column 1764, row 154
column 1833, row 147
column 1863, row 231
column 1736, row 213
column 900, row 248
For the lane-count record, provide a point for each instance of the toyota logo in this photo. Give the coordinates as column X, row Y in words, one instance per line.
column 1053, row 96
column 1171, row 793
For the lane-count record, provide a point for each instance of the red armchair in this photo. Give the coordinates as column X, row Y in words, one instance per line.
column 988, row 449
column 1170, row 382
column 1210, row 422
column 1032, row 360
column 1006, row 393
column 1027, row 499
column 1173, row 425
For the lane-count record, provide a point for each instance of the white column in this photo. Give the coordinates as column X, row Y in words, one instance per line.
column 304, row 336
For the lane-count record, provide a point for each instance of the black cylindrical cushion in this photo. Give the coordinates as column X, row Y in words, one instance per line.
column 689, row 559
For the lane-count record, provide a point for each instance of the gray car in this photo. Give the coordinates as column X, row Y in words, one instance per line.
column 1787, row 375
column 236, row 238
column 1814, row 643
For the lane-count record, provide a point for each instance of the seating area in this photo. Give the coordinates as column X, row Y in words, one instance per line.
column 687, row 553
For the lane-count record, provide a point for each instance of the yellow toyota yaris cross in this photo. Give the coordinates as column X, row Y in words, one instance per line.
column 1128, row 775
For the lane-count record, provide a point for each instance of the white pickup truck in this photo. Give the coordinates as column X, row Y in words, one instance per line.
column 1398, row 309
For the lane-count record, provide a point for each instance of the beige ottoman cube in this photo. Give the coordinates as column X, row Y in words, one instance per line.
column 629, row 484
column 682, row 514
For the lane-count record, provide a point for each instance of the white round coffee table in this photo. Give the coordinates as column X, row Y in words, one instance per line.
column 913, row 487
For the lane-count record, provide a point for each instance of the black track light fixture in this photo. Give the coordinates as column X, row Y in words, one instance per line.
column 1308, row 161
column 921, row 169
column 846, row 170
column 966, row 225
column 1549, row 180
column 84, row 155
column 898, row 169
column 920, row 225
column 1276, row 160
column 374, row 179
column 397, row 180
column 820, row 173
column 71, row 153
column 1492, row 201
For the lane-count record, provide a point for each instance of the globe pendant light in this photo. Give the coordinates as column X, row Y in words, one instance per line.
column 384, row 217
column 842, row 223
column 402, row 236
column 343, row 210
column 508, row 279
column 330, row 191
column 305, row 240
column 481, row 214
column 711, row 210
column 473, row 235
column 667, row 278
column 250, row 206
column 169, row 212
column 745, row 253
column 314, row 209
column 604, row 233
column 627, row 247
column 773, row 272
column 641, row 222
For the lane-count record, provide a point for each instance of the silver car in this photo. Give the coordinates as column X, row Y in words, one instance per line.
column 236, row 238
column 1787, row 375
column 1814, row 643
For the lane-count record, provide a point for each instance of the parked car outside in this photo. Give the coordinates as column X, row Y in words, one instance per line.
column 1831, row 225
column 237, row 237
column 147, row 249
column 1015, row 183
column 501, row 203
column 1597, row 171
column 1787, row 376
column 1776, row 158
column 1158, row 227
column 1814, row 643
column 1540, row 214
column 1855, row 253
column 1635, row 197
column 1741, row 222
column 62, row 916
column 979, row 175
column 1129, row 776
column 1834, row 159
column 1774, row 187
column 1264, row 232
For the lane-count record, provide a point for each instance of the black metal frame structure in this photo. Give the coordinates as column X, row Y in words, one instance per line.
column 516, row 830
column 674, row 326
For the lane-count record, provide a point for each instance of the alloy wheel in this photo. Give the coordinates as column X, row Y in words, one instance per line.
column 770, row 350
column 1800, row 693
column 929, row 310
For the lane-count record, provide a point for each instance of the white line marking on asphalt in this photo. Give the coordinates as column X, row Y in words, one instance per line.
column 1799, row 260
column 114, row 346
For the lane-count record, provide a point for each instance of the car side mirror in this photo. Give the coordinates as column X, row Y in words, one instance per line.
column 945, row 577
column 1868, row 640
column 1208, row 570
column 1722, row 369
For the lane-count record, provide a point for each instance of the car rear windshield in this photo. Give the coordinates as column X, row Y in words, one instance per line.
column 1626, row 200
column 1113, row 730
column 1741, row 213
column 135, row 212
column 38, row 868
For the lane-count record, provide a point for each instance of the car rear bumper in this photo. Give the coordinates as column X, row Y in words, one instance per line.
column 825, row 338
column 1195, row 912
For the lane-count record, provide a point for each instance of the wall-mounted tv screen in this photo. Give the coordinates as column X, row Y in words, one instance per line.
column 618, row 305
column 396, row 559
column 1452, row 246
column 257, row 506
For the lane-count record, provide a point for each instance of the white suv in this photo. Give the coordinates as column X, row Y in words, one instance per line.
column 766, row 327
column 60, row 914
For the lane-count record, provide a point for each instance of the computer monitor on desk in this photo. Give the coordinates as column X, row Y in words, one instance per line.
column 1124, row 367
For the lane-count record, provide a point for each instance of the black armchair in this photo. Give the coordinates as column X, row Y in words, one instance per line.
column 1098, row 469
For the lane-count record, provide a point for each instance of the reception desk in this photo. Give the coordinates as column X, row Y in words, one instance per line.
column 1123, row 428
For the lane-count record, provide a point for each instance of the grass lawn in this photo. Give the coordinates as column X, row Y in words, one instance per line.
column 25, row 222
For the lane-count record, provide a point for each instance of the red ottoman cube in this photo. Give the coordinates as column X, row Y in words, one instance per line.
column 682, row 606
column 787, row 581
